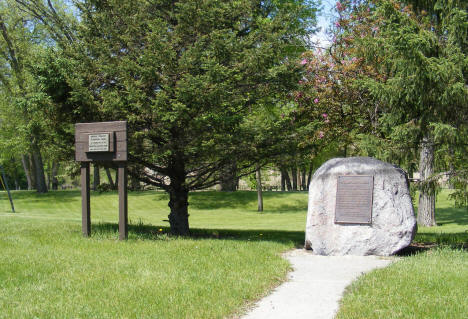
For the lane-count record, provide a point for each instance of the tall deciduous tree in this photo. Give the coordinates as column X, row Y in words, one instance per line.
column 20, row 97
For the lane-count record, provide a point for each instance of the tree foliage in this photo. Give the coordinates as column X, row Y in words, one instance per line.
column 187, row 75
column 398, row 71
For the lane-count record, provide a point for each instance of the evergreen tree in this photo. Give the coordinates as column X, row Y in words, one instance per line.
column 186, row 75
column 414, row 73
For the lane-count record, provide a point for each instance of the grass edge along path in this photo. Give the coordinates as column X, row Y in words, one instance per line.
column 48, row 273
column 431, row 284
column 48, row 270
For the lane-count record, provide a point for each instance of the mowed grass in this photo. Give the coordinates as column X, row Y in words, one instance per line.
column 430, row 284
column 235, row 210
column 452, row 224
column 48, row 270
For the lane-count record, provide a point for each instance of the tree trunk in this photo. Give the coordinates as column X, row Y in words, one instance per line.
column 178, row 203
column 426, row 207
column 109, row 177
column 303, row 179
column 55, row 167
column 283, row 182
column 285, row 174
column 229, row 180
column 27, row 173
column 41, row 185
column 259, row 189
column 309, row 176
column 48, row 174
column 32, row 170
column 294, row 177
column 135, row 183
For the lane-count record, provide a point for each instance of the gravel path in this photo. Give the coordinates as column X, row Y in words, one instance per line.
column 314, row 287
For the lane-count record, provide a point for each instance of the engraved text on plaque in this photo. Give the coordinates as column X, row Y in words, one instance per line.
column 98, row 142
column 354, row 199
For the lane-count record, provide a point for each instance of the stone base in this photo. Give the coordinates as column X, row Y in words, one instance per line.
column 393, row 223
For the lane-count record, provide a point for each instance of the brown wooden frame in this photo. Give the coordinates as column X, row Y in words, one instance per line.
column 117, row 131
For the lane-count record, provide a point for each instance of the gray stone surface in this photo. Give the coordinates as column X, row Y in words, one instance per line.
column 393, row 222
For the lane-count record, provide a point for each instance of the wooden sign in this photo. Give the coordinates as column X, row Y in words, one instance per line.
column 102, row 141
column 354, row 199
column 91, row 143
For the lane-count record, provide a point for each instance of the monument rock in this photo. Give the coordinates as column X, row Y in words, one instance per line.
column 373, row 214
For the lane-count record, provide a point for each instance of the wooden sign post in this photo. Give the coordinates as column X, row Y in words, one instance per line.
column 102, row 141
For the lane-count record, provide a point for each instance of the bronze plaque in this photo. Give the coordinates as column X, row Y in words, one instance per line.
column 354, row 199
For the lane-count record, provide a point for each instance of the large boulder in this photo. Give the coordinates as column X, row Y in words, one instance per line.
column 392, row 225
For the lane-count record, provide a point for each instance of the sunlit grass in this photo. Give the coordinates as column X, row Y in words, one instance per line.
column 236, row 210
column 48, row 270
column 452, row 224
column 432, row 285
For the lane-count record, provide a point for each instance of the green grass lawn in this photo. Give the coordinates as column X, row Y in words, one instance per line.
column 430, row 284
column 48, row 270
column 452, row 224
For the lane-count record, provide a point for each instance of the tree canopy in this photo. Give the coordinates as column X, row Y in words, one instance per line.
column 186, row 75
column 402, row 67
column 213, row 89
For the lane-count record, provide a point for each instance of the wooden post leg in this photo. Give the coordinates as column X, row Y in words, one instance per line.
column 123, row 204
column 85, row 200
column 5, row 184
